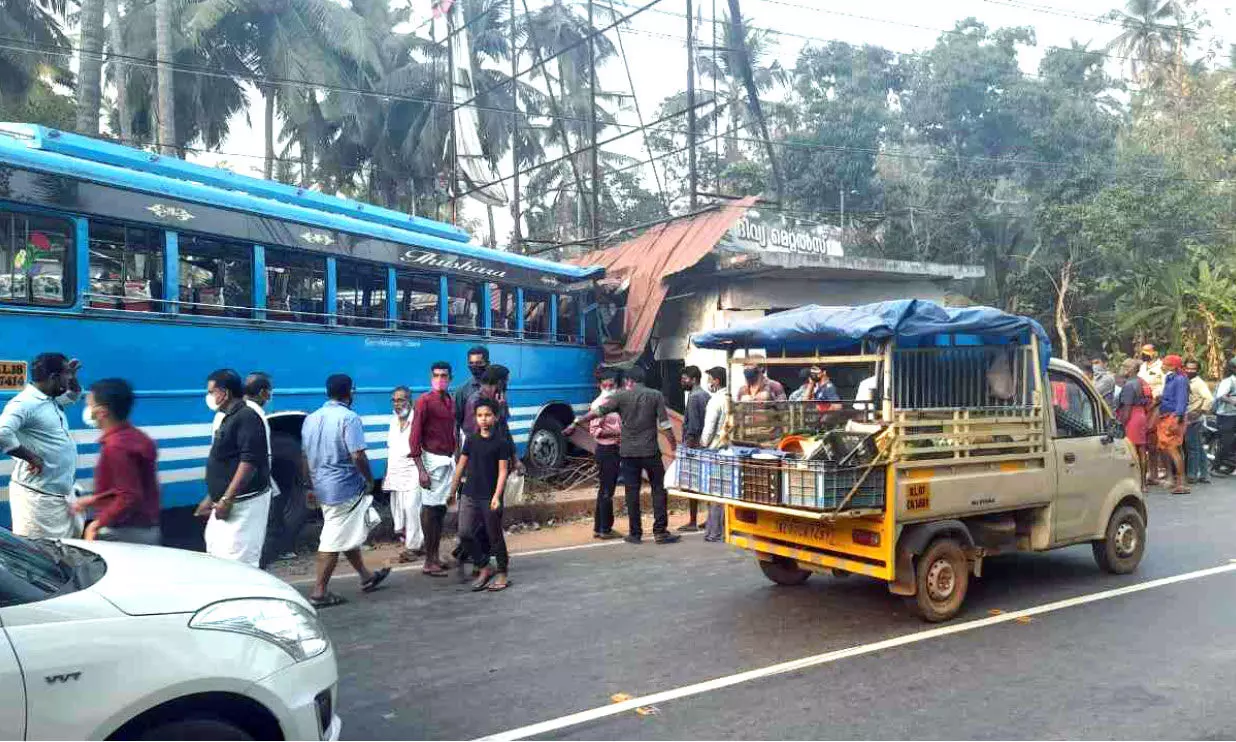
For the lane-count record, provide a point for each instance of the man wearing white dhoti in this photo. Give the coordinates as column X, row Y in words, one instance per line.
column 402, row 477
column 433, row 441
column 333, row 439
column 35, row 432
column 237, row 498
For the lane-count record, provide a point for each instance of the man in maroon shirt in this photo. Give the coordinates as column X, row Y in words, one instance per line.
column 126, row 480
column 432, row 444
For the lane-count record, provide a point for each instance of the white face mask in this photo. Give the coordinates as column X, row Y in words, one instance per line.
column 88, row 417
column 403, row 412
column 211, row 403
column 68, row 398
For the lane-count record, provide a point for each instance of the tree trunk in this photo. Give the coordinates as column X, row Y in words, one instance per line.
column 166, row 98
column 120, row 72
column 90, row 68
column 268, row 132
column 306, row 162
column 1062, row 316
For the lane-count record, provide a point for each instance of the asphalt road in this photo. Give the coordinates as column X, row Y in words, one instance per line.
column 427, row 659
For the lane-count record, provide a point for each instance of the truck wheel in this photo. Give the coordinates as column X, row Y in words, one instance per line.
column 1121, row 550
column 784, row 571
column 942, row 577
column 547, row 447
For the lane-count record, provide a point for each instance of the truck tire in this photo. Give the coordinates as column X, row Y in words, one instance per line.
column 547, row 447
column 942, row 577
column 784, row 571
column 1122, row 548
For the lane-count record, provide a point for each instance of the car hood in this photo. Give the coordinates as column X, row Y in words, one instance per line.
column 152, row 580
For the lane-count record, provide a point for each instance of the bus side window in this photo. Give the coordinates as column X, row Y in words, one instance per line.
column 295, row 286
column 463, row 306
column 35, row 260
column 536, row 315
column 360, row 294
column 505, row 310
column 417, row 299
column 568, row 318
column 216, row 278
column 126, row 267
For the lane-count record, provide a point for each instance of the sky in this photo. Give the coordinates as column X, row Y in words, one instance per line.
column 655, row 47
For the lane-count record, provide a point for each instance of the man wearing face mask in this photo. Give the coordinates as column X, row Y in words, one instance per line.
column 237, row 501
column 1104, row 381
column 401, row 477
column 759, row 388
column 606, row 430
column 433, row 443
column 126, row 479
column 478, row 361
column 34, row 430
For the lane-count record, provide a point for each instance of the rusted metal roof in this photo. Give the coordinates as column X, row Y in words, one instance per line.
column 644, row 263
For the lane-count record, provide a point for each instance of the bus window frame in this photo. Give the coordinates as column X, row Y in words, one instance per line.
column 71, row 273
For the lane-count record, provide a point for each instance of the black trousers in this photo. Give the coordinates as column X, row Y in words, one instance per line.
column 1227, row 438
column 610, row 465
column 632, row 469
column 483, row 537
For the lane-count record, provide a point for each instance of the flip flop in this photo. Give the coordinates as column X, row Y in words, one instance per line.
column 498, row 586
column 327, row 600
column 439, row 572
column 375, row 580
column 481, row 581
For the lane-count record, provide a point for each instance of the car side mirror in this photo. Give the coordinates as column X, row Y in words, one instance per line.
column 1115, row 431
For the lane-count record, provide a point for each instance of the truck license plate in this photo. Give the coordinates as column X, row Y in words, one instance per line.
column 918, row 496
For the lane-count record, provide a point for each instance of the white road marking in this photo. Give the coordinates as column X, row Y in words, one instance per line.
column 531, row 552
column 613, row 709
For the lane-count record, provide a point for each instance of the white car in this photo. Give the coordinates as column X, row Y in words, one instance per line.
column 117, row 641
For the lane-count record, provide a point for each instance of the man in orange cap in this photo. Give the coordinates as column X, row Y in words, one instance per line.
column 1172, row 408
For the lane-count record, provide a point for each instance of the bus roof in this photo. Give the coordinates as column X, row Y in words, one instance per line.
column 113, row 164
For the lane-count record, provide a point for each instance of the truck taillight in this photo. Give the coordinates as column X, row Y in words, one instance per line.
column 865, row 538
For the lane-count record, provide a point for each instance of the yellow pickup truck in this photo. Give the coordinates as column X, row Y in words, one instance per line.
column 969, row 441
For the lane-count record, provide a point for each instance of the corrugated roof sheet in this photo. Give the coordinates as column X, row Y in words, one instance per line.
column 646, row 261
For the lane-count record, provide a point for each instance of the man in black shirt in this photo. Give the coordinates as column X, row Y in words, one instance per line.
column 237, row 498
column 486, row 460
column 478, row 361
column 692, row 429
column 643, row 414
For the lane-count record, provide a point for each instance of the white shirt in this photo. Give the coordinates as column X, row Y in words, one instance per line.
column 714, row 419
column 37, row 423
column 866, row 394
column 401, row 472
column 1153, row 374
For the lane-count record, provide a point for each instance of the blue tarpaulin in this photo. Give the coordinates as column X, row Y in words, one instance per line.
column 913, row 323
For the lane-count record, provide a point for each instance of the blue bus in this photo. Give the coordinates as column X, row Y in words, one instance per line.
column 160, row 271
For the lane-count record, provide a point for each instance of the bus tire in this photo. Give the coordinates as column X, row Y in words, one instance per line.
column 1123, row 545
column 547, row 446
column 942, row 577
column 784, row 571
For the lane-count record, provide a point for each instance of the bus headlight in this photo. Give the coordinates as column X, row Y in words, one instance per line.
column 288, row 625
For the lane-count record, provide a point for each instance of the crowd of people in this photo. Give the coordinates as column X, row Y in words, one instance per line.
column 1162, row 404
column 443, row 446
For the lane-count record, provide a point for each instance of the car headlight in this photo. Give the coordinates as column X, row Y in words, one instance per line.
column 288, row 625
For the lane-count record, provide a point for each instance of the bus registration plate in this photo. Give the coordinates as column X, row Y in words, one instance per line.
column 12, row 376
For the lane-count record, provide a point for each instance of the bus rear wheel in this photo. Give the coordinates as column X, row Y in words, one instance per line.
column 547, row 447
column 784, row 571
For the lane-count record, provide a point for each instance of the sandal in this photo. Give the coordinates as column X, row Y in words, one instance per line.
column 482, row 580
column 375, row 579
column 1181, row 491
column 500, row 583
column 327, row 600
column 434, row 571
column 407, row 557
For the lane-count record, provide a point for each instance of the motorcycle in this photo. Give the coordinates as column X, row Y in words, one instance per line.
column 1210, row 438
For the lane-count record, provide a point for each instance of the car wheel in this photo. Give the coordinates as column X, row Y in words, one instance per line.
column 784, row 571
column 942, row 577
column 1122, row 548
column 547, row 447
column 196, row 728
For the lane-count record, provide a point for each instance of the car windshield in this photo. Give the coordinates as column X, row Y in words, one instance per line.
column 29, row 573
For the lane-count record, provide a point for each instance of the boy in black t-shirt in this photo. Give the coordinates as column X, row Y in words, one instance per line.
column 486, row 460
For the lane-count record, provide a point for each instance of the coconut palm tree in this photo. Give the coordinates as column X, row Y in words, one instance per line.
column 287, row 43
column 90, row 67
column 721, row 66
column 35, row 23
column 1152, row 30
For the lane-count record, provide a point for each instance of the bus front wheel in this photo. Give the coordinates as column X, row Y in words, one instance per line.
column 547, row 447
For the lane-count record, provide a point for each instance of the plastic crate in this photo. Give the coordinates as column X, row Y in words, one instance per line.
column 722, row 474
column 761, row 480
column 819, row 485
